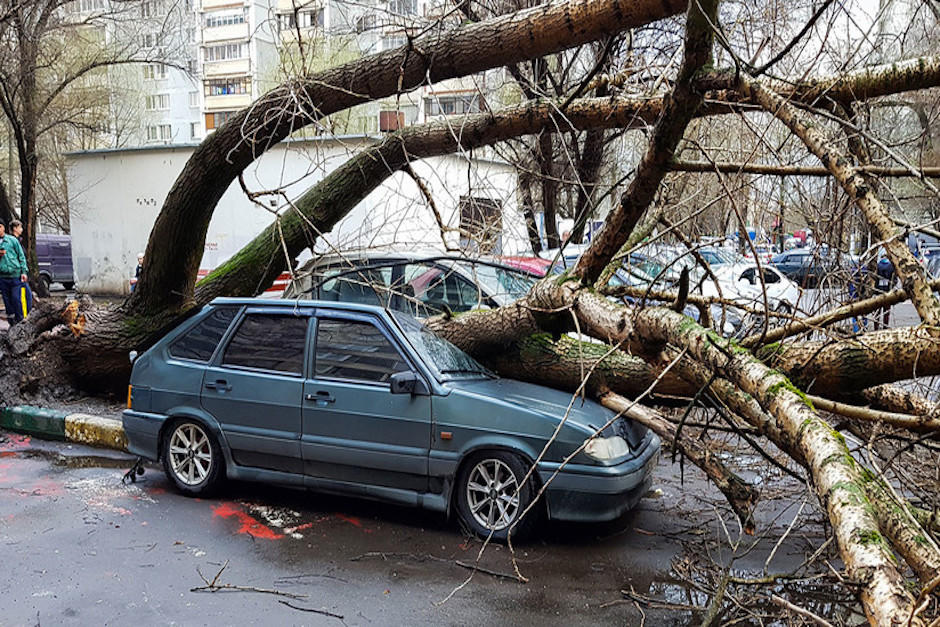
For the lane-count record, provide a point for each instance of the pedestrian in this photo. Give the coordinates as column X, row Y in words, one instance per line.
column 140, row 268
column 14, row 274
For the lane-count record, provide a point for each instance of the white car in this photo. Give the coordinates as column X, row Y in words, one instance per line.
column 741, row 283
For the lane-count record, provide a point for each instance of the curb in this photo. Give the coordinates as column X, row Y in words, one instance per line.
column 51, row 424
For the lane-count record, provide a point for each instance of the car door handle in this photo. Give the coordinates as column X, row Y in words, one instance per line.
column 219, row 384
column 321, row 396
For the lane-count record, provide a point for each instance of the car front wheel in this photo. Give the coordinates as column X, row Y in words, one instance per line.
column 192, row 458
column 491, row 498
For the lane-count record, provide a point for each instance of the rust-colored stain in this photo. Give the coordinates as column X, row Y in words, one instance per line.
column 249, row 525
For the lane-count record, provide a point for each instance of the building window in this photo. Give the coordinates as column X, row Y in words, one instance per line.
column 307, row 19
column 217, row 119
column 227, row 86
column 481, row 223
column 225, row 52
column 154, row 71
column 89, row 5
column 193, row 130
column 369, row 21
column 391, row 42
column 213, row 20
column 149, row 8
column 194, row 99
column 161, row 132
column 453, row 104
column 157, row 102
column 191, row 35
column 192, row 66
column 403, row 7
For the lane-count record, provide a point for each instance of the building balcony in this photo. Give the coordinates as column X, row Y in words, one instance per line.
column 221, row 4
column 227, row 102
column 225, row 33
column 229, row 67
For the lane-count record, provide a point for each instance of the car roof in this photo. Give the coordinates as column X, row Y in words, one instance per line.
column 284, row 303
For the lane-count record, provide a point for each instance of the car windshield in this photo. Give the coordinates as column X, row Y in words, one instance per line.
column 447, row 360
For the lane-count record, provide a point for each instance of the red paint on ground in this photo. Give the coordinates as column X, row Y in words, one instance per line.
column 354, row 522
column 248, row 524
column 15, row 441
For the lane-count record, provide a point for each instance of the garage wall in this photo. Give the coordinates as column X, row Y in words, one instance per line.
column 117, row 195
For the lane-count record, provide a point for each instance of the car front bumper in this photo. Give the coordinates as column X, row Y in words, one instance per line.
column 583, row 493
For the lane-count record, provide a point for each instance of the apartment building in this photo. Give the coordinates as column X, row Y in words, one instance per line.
column 238, row 56
column 316, row 34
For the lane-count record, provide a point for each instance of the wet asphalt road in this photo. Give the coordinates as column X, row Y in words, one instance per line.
column 79, row 547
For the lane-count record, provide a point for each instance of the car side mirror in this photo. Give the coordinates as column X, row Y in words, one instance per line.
column 133, row 356
column 407, row 382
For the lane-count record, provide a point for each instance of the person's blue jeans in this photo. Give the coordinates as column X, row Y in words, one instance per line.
column 16, row 300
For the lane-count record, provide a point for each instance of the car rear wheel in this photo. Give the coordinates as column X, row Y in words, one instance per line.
column 491, row 498
column 192, row 458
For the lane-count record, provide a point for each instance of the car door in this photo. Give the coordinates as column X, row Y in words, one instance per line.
column 254, row 388
column 354, row 429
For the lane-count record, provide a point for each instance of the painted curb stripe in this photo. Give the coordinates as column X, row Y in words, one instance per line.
column 95, row 430
column 33, row 420
column 58, row 425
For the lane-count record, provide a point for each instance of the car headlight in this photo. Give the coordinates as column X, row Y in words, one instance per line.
column 605, row 449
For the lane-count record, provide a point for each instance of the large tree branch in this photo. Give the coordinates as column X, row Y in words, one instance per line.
column 839, row 482
column 912, row 274
column 169, row 276
column 678, row 110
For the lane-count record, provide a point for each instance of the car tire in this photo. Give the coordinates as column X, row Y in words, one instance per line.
column 489, row 500
column 46, row 282
column 192, row 458
column 68, row 285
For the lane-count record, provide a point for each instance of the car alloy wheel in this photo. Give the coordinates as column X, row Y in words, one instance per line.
column 191, row 458
column 190, row 454
column 491, row 498
column 493, row 494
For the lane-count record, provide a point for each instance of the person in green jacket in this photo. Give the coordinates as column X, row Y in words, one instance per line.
column 13, row 276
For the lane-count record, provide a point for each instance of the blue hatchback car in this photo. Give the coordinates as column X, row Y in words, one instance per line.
column 359, row 400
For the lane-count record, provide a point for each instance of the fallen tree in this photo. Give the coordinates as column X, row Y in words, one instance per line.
column 633, row 346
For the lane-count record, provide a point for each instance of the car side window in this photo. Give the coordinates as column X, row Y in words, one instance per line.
column 199, row 343
column 268, row 342
column 355, row 350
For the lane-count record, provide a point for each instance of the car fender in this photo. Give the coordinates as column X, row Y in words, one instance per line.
column 484, row 442
column 192, row 413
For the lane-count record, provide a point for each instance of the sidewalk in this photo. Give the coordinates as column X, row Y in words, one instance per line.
column 82, row 428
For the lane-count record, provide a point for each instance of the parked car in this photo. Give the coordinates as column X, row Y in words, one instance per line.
column 54, row 255
column 533, row 265
column 764, row 252
column 422, row 285
column 338, row 397
column 806, row 267
column 741, row 282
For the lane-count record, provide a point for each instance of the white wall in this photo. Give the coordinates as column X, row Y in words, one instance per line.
column 118, row 194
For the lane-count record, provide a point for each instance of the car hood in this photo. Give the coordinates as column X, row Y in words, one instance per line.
column 536, row 398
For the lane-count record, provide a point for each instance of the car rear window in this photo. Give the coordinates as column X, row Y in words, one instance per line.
column 268, row 342
column 199, row 343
